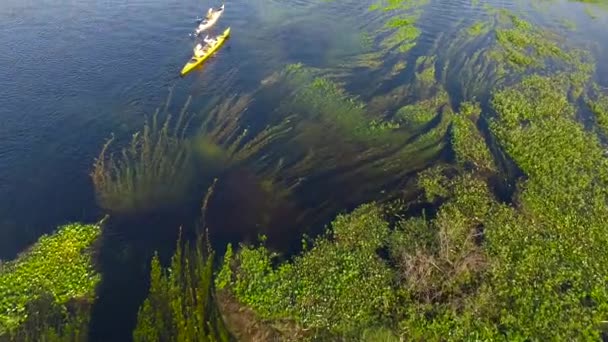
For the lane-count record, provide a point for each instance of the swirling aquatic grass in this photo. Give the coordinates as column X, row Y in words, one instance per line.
column 404, row 31
column 298, row 145
column 500, row 49
column 153, row 172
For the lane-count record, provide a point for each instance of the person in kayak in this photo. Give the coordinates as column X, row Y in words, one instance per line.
column 199, row 50
column 210, row 41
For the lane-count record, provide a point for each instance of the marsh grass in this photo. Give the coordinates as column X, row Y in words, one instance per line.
column 152, row 172
column 181, row 302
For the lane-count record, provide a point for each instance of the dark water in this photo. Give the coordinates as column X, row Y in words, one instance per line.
column 72, row 72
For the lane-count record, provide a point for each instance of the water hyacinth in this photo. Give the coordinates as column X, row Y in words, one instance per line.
column 58, row 266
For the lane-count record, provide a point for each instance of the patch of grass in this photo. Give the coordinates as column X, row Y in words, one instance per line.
column 524, row 45
column 599, row 107
column 568, row 24
column 415, row 116
column 398, row 67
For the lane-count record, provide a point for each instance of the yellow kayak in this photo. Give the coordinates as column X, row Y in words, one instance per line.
column 207, row 52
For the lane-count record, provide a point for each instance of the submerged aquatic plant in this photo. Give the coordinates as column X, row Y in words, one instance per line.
column 403, row 26
column 48, row 290
column 499, row 50
column 153, row 172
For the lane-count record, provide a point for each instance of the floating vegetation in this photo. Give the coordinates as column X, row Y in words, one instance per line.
column 47, row 291
column 425, row 73
column 378, row 144
column 153, row 172
column 501, row 49
column 524, row 46
column 568, row 24
column 404, row 31
column 398, row 68
column 397, row 35
column 340, row 285
column 469, row 145
column 181, row 304
column 416, row 116
column 598, row 103
column 563, row 198
column 538, row 129
column 479, row 28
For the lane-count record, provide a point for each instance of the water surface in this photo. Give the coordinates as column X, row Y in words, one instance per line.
column 73, row 72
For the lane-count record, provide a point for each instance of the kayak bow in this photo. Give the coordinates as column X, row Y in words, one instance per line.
column 196, row 61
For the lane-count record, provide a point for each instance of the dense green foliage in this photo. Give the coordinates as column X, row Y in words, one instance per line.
column 599, row 107
column 468, row 144
column 474, row 268
column 181, row 303
column 555, row 252
column 340, row 285
column 50, row 284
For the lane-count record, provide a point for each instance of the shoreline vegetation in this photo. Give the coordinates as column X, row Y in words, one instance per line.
column 47, row 292
column 467, row 189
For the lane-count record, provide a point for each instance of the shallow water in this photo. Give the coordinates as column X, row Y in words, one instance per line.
column 73, row 72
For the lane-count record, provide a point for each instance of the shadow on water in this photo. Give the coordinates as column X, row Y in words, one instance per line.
column 240, row 208
column 127, row 246
column 243, row 207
